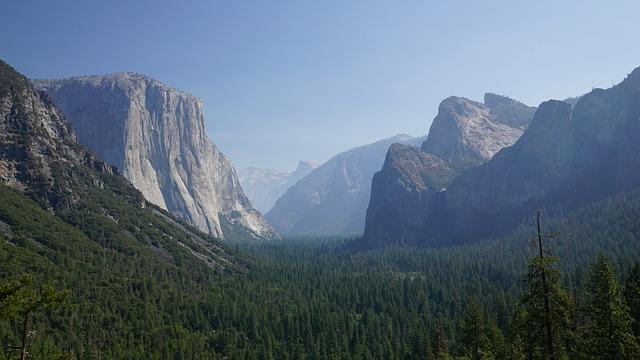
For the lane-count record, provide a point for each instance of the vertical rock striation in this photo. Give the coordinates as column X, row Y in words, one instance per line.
column 155, row 136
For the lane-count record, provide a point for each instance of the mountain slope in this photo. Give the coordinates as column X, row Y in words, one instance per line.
column 69, row 220
column 333, row 198
column 463, row 135
column 155, row 136
column 41, row 158
column 264, row 186
column 565, row 158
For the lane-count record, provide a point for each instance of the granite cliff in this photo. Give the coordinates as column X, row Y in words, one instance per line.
column 45, row 166
column 463, row 135
column 155, row 135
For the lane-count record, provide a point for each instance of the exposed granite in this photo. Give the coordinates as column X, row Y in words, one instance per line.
column 464, row 135
column 155, row 136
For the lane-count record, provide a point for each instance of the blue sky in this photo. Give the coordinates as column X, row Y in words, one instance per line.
column 289, row 80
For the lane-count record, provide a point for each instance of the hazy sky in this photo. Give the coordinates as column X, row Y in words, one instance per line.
column 288, row 80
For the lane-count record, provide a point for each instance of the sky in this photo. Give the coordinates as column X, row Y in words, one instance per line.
column 284, row 81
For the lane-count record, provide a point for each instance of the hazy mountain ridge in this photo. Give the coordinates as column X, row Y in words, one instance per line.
column 265, row 186
column 463, row 135
column 156, row 136
column 333, row 198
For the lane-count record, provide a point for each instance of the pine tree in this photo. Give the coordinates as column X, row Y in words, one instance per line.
column 497, row 340
column 547, row 308
column 9, row 296
column 632, row 297
column 609, row 333
column 473, row 337
column 440, row 340
column 19, row 300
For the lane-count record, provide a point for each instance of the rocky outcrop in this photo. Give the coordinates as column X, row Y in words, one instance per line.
column 464, row 135
column 566, row 158
column 508, row 111
column 333, row 198
column 40, row 158
column 29, row 128
column 155, row 136
column 264, row 186
column 409, row 178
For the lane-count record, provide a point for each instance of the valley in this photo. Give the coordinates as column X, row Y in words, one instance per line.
column 319, row 180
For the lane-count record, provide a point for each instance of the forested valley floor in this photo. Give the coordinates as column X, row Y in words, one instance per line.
column 320, row 299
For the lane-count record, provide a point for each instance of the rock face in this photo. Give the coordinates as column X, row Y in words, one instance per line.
column 155, row 136
column 33, row 135
column 264, row 186
column 40, row 157
column 566, row 158
column 464, row 135
column 333, row 198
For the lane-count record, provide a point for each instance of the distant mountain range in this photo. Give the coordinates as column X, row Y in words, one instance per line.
column 155, row 136
column 333, row 198
column 476, row 177
column 264, row 186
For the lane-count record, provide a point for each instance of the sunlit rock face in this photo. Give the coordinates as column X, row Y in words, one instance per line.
column 155, row 136
column 465, row 134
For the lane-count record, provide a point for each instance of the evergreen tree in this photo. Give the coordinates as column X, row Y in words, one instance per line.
column 19, row 300
column 632, row 297
column 440, row 341
column 473, row 337
column 547, row 308
column 9, row 296
column 609, row 333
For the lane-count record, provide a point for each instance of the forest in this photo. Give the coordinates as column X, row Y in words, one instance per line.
column 66, row 294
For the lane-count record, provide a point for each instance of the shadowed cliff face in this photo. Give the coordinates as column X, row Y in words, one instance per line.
column 156, row 136
column 565, row 158
column 409, row 178
column 333, row 198
column 464, row 135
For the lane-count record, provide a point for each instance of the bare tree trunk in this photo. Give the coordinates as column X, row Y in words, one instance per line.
column 24, row 347
column 545, row 287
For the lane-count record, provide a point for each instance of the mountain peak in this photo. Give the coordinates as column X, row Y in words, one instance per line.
column 305, row 166
column 10, row 78
column 508, row 111
column 466, row 132
column 492, row 99
column 459, row 105
column 124, row 80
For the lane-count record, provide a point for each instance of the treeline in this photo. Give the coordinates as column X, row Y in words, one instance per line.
column 319, row 300
column 549, row 323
